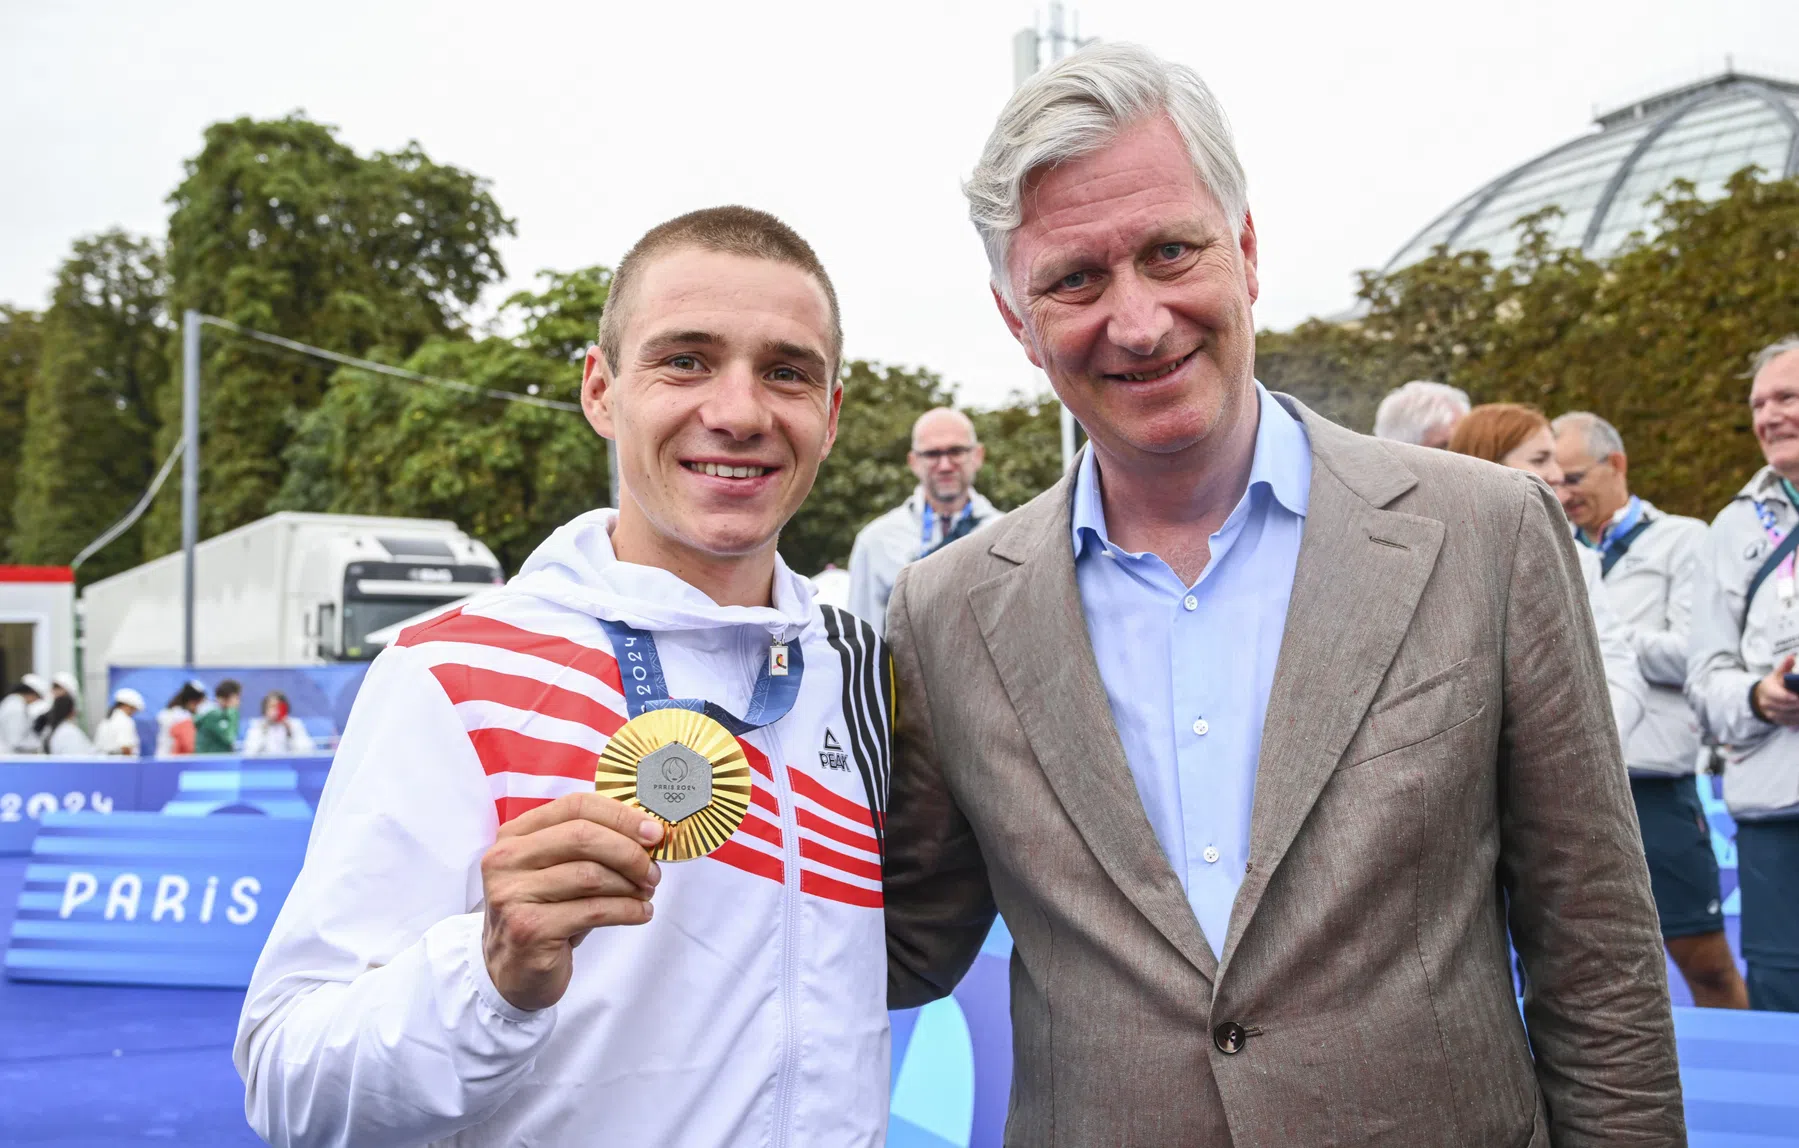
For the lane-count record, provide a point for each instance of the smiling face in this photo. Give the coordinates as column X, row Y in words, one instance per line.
column 1774, row 411
column 1134, row 297
column 723, row 406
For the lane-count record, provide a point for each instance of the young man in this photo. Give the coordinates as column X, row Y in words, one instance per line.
column 215, row 731
column 423, row 982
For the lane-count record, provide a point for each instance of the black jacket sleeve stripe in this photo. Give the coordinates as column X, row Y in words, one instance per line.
column 868, row 721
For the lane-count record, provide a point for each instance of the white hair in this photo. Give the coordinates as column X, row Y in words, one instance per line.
column 1411, row 412
column 1771, row 352
column 1077, row 107
column 1602, row 438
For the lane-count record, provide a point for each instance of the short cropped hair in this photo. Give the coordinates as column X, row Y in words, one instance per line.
column 1410, row 412
column 1771, row 352
column 1494, row 430
column 1077, row 107
column 1600, row 438
column 729, row 230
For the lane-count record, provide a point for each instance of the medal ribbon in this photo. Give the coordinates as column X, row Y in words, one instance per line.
column 1783, row 574
column 928, row 536
column 646, row 689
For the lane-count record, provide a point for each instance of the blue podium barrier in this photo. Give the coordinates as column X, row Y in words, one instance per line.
column 33, row 787
column 147, row 899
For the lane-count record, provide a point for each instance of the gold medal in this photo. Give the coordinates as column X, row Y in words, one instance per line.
column 685, row 770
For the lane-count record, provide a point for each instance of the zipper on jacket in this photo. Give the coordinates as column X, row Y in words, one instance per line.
column 790, row 892
column 790, row 842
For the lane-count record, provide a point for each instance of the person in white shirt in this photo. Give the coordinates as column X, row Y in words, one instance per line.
column 276, row 731
column 945, row 456
column 60, row 732
column 422, row 982
column 16, row 715
column 117, row 731
column 1649, row 561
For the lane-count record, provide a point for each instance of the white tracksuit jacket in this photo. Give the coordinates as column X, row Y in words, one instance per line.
column 750, row 1010
column 1734, row 643
column 1651, row 591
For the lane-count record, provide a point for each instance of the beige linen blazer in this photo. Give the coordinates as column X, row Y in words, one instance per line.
column 1438, row 767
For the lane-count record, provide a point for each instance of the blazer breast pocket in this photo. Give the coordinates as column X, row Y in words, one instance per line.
column 1413, row 713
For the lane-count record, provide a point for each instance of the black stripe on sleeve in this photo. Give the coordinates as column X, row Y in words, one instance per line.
column 866, row 712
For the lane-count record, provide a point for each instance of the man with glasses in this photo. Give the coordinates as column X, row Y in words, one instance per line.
column 945, row 456
column 1649, row 562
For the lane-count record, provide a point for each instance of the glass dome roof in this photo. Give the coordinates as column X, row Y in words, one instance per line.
column 1704, row 132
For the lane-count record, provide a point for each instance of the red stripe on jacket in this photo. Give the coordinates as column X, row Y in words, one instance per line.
column 480, row 631
column 820, row 885
column 474, row 684
column 811, row 787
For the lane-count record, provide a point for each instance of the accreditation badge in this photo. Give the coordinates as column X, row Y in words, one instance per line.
column 684, row 769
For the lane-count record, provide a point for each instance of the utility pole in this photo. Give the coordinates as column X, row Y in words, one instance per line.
column 1028, row 56
column 190, row 475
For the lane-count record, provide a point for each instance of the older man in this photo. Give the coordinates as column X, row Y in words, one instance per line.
column 1263, row 736
column 1649, row 561
column 1420, row 412
column 1740, row 678
column 945, row 455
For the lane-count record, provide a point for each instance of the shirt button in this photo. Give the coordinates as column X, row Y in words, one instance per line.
column 1190, row 602
column 1211, row 855
column 1202, row 727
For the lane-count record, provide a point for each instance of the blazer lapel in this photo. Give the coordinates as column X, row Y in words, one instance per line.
column 1360, row 574
column 1034, row 628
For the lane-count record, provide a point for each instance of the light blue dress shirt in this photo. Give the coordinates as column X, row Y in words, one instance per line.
column 1188, row 669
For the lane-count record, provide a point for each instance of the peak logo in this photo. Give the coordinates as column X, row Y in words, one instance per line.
column 832, row 755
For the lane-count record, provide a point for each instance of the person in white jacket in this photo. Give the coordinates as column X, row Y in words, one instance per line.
column 1745, row 633
column 276, row 731
column 117, row 731
column 16, row 715
column 422, row 982
column 1650, row 561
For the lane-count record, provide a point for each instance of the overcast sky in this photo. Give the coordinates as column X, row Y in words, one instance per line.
column 854, row 122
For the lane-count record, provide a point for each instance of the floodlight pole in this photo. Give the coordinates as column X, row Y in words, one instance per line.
column 190, row 475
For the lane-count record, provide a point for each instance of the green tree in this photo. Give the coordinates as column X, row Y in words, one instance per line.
column 87, row 456
column 20, row 341
column 1024, row 449
column 280, row 226
column 508, row 473
column 1656, row 338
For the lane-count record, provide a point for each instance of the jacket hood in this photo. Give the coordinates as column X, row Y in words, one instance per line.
column 576, row 568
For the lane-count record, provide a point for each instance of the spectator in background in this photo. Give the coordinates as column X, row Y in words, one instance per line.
column 1648, row 561
column 276, row 732
column 1519, row 437
column 1745, row 630
column 62, row 684
column 215, row 731
column 175, row 724
column 58, row 730
column 117, row 731
column 945, row 456
column 16, row 715
column 1420, row 412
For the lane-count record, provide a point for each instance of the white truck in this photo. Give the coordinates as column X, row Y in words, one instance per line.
column 290, row 589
